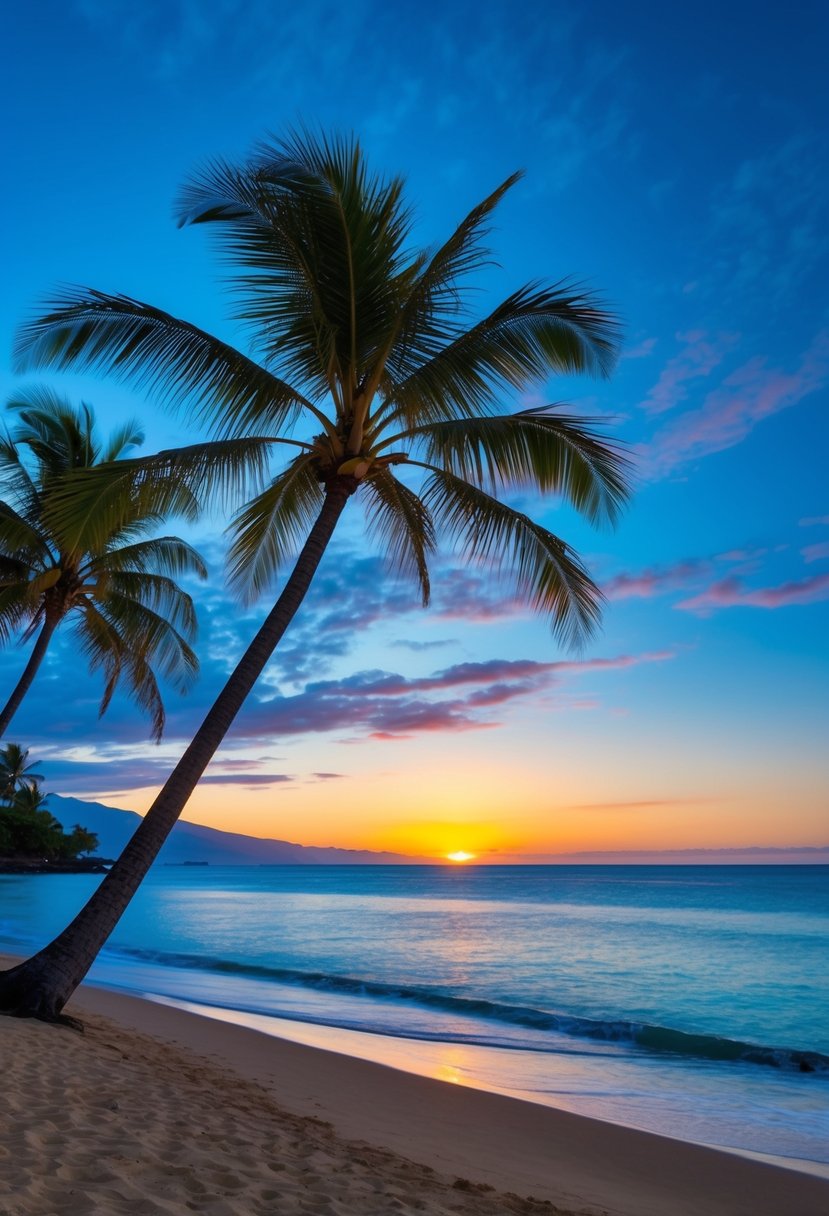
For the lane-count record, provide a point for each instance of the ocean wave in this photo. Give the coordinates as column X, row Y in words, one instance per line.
column 656, row 1039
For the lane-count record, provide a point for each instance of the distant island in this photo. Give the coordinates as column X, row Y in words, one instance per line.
column 193, row 844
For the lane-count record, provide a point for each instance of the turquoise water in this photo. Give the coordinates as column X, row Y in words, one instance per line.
column 693, row 1000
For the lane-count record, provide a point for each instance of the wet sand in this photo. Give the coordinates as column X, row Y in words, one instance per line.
column 158, row 1110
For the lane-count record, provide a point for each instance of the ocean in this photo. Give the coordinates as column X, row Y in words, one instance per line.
column 688, row 1000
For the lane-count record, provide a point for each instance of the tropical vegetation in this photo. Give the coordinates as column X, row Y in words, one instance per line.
column 110, row 576
column 28, row 829
column 370, row 368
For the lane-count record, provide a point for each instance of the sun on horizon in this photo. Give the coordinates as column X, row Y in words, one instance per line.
column 460, row 856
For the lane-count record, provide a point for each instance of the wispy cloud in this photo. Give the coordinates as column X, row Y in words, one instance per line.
column 732, row 593
column 419, row 646
column 475, row 595
column 815, row 553
column 243, row 778
column 701, row 353
column 370, row 705
column 684, row 573
column 641, row 350
column 768, row 218
column 123, row 767
column 656, row 580
column 730, row 412
column 385, row 705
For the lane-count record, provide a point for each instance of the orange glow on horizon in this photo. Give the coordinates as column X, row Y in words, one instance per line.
column 444, row 817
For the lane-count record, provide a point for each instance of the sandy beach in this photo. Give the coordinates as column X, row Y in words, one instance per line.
column 157, row 1110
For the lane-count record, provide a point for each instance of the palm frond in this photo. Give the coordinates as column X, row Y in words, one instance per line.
column 119, row 643
column 59, row 435
column 161, row 354
column 399, row 519
column 21, row 539
column 428, row 317
column 159, row 594
column 16, row 482
column 538, row 448
column 321, row 242
column 153, row 639
column 106, row 651
column 165, row 555
column 143, row 687
column 547, row 572
column 535, row 332
column 273, row 527
column 16, row 610
column 91, row 507
column 129, row 435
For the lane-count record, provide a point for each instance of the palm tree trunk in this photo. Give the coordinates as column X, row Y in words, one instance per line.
column 50, row 624
column 42, row 985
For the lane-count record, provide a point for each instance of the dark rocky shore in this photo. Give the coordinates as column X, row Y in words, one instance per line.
column 40, row 865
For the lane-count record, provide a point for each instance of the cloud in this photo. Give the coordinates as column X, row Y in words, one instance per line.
column 814, row 520
column 656, row 580
column 118, row 768
column 729, row 413
column 243, row 778
column 112, row 772
column 701, row 354
column 641, row 350
column 730, row 593
column 815, row 553
column 349, row 588
column 474, row 595
column 350, row 593
column 769, row 218
column 661, row 580
column 418, row 647
column 383, row 705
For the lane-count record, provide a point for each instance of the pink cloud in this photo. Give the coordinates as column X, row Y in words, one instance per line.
column 469, row 595
column 729, row 413
column 699, row 357
column 820, row 520
column 815, row 553
column 730, row 593
column 243, row 778
column 386, row 705
column 641, row 350
column 654, row 581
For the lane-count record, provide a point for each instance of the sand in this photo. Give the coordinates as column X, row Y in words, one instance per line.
column 156, row 1110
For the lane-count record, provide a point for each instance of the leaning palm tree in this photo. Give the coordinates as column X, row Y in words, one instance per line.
column 117, row 584
column 369, row 366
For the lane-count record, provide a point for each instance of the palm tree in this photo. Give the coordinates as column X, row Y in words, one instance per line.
column 16, row 774
column 367, row 345
column 30, row 799
column 117, row 586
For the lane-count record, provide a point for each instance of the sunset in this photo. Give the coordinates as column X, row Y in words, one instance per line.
column 414, row 573
column 700, row 703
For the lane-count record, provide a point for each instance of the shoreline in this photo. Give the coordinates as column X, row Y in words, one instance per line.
column 42, row 865
column 471, row 1138
column 445, row 1062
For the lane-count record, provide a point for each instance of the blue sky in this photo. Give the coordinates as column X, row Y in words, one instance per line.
column 676, row 160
